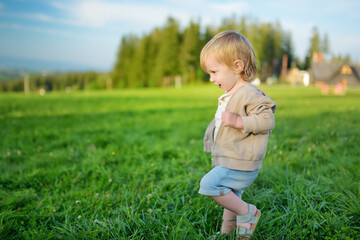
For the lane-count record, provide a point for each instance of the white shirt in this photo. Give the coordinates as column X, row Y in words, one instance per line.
column 222, row 103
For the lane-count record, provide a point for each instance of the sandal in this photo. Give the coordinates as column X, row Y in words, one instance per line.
column 243, row 232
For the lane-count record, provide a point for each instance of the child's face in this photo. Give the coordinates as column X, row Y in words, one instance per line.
column 220, row 74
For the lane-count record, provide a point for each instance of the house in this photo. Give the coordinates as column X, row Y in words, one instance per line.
column 332, row 73
column 298, row 77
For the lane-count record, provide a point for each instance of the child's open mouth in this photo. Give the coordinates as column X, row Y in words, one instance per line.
column 219, row 85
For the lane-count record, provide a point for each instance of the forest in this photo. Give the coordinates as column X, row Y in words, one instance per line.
column 169, row 55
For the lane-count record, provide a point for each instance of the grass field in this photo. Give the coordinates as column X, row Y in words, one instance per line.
column 127, row 164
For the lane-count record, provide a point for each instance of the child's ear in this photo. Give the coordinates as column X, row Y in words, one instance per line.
column 239, row 66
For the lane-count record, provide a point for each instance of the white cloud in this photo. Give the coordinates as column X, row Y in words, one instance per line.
column 42, row 17
column 36, row 29
column 231, row 7
column 96, row 13
column 10, row 26
column 187, row 2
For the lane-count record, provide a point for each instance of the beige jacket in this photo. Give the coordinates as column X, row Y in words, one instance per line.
column 243, row 149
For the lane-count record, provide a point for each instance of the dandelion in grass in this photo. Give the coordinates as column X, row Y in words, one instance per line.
column 110, row 180
column 113, row 153
column 96, row 195
column 78, row 202
column 149, row 196
column 107, row 194
column 92, row 147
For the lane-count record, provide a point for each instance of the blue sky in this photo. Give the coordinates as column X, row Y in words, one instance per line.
column 88, row 32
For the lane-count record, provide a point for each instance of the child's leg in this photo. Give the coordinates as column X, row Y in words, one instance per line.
column 219, row 180
column 234, row 204
column 229, row 221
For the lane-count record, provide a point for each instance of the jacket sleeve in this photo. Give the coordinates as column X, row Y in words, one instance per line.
column 208, row 137
column 260, row 114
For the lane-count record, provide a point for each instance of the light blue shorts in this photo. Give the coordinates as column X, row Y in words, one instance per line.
column 220, row 181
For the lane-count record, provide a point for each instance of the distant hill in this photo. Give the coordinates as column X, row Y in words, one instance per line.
column 6, row 74
column 13, row 67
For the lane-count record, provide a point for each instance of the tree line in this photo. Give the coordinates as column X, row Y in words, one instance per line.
column 169, row 55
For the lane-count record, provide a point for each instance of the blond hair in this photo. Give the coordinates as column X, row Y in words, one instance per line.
column 229, row 46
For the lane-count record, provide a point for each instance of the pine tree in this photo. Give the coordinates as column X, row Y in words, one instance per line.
column 125, row 56
column 190, row 52
column 314, row 48
column 167, row 61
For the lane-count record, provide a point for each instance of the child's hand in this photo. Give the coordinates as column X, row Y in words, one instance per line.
column 230, row 119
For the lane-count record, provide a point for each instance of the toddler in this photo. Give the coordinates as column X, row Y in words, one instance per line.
column 237, row 136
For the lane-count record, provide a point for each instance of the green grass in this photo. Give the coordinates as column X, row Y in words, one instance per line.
column 127, row 165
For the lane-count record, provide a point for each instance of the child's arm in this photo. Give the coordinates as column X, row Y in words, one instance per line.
column 230, row 119
column 260, row 119
column 255, row 123
column 258, row 114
